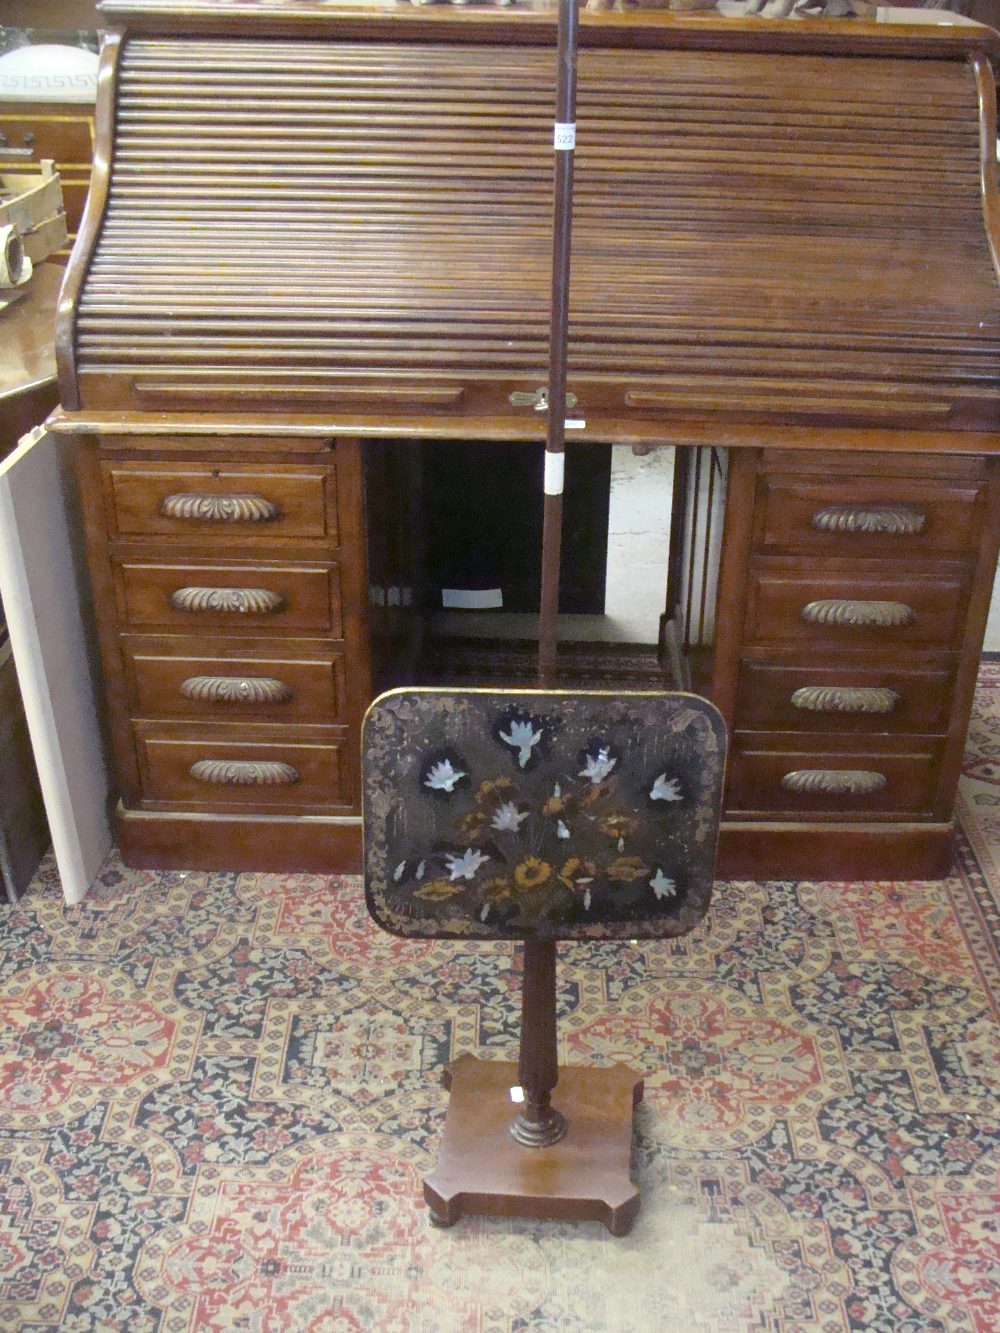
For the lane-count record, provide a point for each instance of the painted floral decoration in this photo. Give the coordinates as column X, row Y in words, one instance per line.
column 542, row 815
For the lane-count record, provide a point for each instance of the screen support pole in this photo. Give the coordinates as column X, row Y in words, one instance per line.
column 540, row 1124
column 564, row 140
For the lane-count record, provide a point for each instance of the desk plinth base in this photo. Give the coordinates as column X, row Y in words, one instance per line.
column 583, row 1177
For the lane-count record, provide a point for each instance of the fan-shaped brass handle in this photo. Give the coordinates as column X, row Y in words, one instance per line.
column 845, row 699
column 204, row 507
column 244, row 772
column 236, row 689
column 231, row 601
column 857, row 613
column 834, row 782
column 891, row 520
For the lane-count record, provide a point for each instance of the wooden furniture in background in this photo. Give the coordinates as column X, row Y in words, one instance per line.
column 63, row 133
column 47, row 93
column 33, row 224
column 328, row 235
column 28, row 389
column 55, row 15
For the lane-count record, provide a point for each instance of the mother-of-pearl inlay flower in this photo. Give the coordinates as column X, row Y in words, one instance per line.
column 401, row 869
column 666, row 789
column 466, row 865
column 522, row 737
column 662, row 885
column 442, row 776
column 507, row 818
column 598, row 766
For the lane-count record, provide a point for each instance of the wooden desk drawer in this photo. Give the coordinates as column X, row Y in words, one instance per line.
column 227, row 501
column 232, row 598
column 802, row 779
column 849, row 697
column 221, row 771
column 867, row 516
column 236, row 688
column 853, row 611
column 60, row 132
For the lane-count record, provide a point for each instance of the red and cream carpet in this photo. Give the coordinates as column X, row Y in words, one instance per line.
column 219, row 1093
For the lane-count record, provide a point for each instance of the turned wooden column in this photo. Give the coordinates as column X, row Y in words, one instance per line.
column 538, row 1124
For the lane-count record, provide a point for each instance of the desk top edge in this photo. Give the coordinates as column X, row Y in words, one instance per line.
column 131, row 425
column 537, row 26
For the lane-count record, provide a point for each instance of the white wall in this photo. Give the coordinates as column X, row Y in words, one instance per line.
column 992, row 642
column 638, row 533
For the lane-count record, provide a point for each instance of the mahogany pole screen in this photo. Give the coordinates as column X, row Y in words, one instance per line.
column 539, row 815
column 564, row 143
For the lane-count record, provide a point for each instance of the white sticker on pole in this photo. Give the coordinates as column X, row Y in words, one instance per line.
column 564, row 136
column 554, row 472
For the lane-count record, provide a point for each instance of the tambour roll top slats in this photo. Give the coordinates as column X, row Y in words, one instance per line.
column 306, row 224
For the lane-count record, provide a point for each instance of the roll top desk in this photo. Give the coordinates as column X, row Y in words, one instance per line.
column 318, row 236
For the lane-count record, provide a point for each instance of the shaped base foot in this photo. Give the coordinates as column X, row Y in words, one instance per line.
column 583, row 1177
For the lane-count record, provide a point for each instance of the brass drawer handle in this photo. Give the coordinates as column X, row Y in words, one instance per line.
column 203, row 507
column 236, row 690
column 854, row 613
column 845, row 699
column 834, row 781
column 235, row 601
column 244, row 772
column 893, row 520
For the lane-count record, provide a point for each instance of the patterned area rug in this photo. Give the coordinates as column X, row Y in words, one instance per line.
column 219, row 1093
